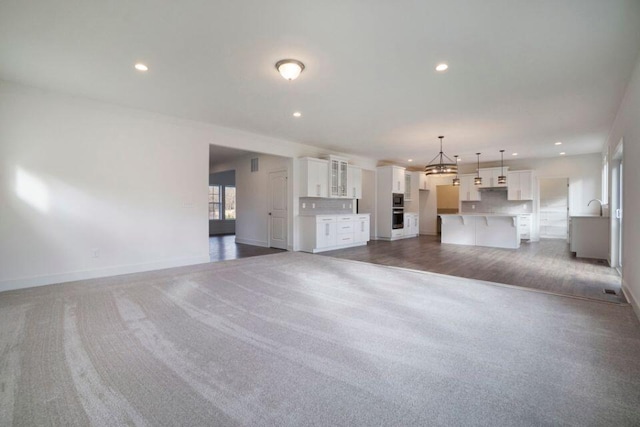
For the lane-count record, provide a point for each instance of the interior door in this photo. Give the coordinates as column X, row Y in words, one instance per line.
column 278, row 212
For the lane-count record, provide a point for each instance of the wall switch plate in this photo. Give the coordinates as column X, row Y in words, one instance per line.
column 344, row 206
column 304, row 205
column 313, row 205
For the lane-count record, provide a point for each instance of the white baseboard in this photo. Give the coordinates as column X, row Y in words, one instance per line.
column 253, row 242
column 30, row 282
column 631, row 298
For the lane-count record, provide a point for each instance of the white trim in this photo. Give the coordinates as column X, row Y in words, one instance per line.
column 253, row 242
column 626, row 290
column 30, row 282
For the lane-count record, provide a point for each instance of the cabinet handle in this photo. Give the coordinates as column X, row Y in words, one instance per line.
column 519, row 194
column 326, row 229
column 362, row 226
column 318, row 189
column 354, row 192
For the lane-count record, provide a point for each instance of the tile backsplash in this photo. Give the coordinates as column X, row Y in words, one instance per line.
column 496, row 202
column 322, row 206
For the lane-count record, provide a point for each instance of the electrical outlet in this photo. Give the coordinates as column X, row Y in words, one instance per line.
column 473, row 207
column 313, row 205
column 96, row 252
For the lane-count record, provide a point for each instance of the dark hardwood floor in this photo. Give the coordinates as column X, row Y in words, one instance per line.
column 225, row 247
column 546, row 265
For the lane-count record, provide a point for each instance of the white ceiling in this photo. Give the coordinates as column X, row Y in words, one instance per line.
column 523, row 74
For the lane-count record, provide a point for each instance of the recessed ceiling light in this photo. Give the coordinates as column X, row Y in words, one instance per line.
column 558, row 143
column 442, row 67
column 297, row 114
column 563, row 153
column 290, row 69
column 514, row 154
column 141, row 67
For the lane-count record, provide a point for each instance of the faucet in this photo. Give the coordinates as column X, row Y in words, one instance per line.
column 596, row 200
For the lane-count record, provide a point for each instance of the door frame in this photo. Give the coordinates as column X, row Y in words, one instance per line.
column 287, row 198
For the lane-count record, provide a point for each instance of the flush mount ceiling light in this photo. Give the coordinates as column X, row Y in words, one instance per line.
column 410, row 160
column 290, row 69
column 297, row 114
column 514, row 154
column 456, row 180
column 563, row 153
column 441, row 164
column 558, row 143
column 502, row 179
column 478, row 179
column 141, row 67
column 442, row 67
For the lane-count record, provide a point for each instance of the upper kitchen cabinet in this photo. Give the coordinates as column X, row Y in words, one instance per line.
column 354, row 180
column 423, row 181
column 520, row 185
column 468, row 190
column 397, row 179
column 408, row 179
column 314, row 177
column 490, row 177
column 338, row 176
column 391, row 179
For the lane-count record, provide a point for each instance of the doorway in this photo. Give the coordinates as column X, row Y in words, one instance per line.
column 278, row 209
column 554, row 208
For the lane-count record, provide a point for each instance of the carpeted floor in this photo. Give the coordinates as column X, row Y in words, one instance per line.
column 299, row 339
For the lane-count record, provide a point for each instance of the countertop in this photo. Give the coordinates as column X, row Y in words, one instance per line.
column 588, row 216
column 333, row 214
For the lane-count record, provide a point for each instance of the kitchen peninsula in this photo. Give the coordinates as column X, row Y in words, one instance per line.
column 492, row 230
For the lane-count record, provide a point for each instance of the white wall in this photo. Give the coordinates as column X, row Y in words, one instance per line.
column 627, row 128
column 78, row 175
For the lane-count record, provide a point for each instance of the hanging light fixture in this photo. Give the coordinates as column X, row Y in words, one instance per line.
column 478, row 179
column 456, row 180
column 290, row 69
column 441, row 164
column 502, row 179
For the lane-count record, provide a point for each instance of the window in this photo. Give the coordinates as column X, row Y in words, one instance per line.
column 229, row 202
column 222, row 199
column 215, row 202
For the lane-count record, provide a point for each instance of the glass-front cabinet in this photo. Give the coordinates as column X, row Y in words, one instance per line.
column 338, row 176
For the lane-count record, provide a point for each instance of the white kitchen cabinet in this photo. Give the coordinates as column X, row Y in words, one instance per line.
column 423, row 181
column 338, row 176
column 314, row 177
column 361, row 232
column 468, row 190
column 520, row 185
column 354, row 180
column 524, row 226
column 407, row 186
column 398, row 179
column 411, row 228
column 389, row 180
column 490, row 177
column 328, row 232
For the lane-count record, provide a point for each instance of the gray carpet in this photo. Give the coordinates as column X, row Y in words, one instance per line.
column 298, row 339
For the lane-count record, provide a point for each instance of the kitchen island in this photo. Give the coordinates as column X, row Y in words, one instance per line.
column 481, row 229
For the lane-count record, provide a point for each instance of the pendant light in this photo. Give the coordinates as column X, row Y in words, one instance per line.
column 478, row 179
column 502, row 179
column 456, row 180
column 441, row 164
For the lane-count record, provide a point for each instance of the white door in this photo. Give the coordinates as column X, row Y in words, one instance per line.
column 278, row 213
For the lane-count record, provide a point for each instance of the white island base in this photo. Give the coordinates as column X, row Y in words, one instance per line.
column 491, row 230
